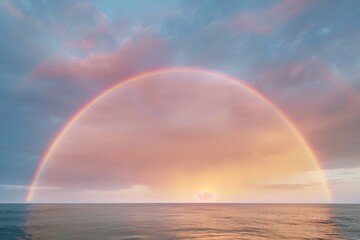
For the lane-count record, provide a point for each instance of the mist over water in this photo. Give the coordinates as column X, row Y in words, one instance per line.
column 179, row 221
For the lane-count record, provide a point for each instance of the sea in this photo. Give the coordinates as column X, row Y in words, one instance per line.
column 179, row 221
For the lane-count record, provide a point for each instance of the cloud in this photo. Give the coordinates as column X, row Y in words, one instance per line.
column 284, row 186
column 267, row 19
column 135, row 54
column 320, row 102
column 344, row 183
column 25, row 187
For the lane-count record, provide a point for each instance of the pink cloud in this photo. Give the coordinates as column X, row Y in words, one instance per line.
column 316, row 89
column 319, row 101
column 83, row 43
column 267, row 19
column 134, row 54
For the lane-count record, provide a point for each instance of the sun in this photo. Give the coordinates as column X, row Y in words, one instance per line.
column 204, row 195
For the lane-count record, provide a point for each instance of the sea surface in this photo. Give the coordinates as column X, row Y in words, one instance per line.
column 179, row 221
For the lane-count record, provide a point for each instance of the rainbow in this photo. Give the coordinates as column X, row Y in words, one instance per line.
column 58, row 137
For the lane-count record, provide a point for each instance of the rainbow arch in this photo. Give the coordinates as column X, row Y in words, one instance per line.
column 58, row 137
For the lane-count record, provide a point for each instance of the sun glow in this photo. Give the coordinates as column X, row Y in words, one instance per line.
column 204, row 195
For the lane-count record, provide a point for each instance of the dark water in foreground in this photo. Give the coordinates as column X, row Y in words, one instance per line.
column 179, row 221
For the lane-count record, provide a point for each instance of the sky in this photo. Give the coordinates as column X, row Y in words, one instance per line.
column 303, row 56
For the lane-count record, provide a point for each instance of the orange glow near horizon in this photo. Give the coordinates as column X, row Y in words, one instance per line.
column 179, row 135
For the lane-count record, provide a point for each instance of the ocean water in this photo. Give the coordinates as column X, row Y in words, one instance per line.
column 179, row 221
